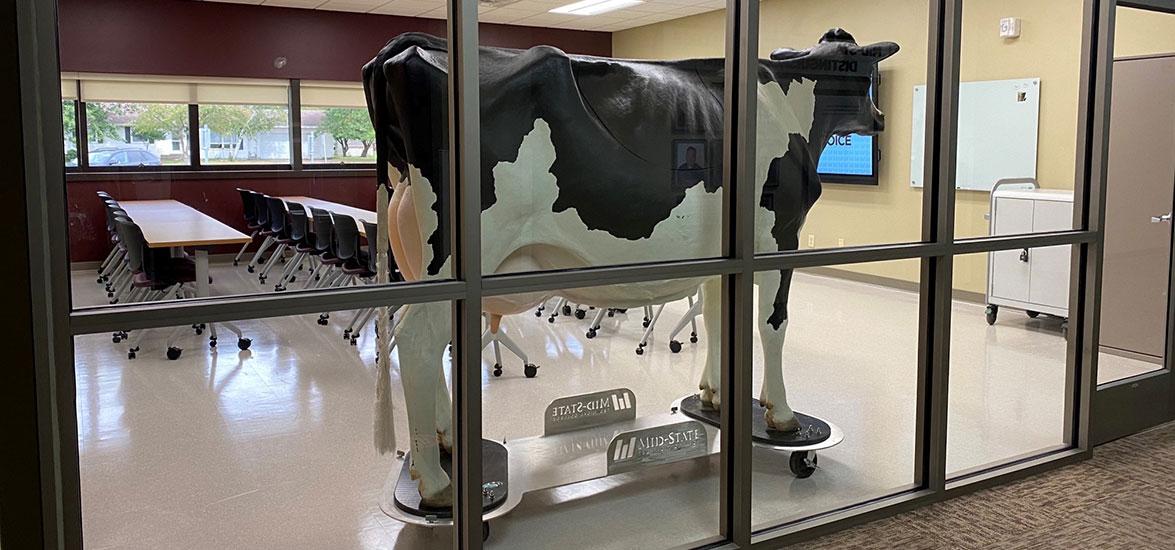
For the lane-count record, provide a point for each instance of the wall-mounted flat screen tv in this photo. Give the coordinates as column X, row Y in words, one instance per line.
column 852, row 158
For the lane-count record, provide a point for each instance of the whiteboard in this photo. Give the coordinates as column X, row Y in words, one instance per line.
column 999, row 121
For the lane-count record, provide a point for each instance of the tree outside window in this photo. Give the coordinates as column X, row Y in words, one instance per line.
column 337, row 135
column 244, row 133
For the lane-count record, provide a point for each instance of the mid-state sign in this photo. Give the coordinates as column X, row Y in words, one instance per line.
column 657, row 445
column 578, row 412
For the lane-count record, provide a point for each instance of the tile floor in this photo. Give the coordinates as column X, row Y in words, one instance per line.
column 271, row 447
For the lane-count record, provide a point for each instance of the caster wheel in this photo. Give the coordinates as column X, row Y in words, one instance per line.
column 278, row 288
column 199, row 331
column 116, row 338
column 497, row 370
column 261, row 280
column 292, row 279
column 538, row 313
column 611, row 313
column 566, row 309
column 675, row 346
column 591, row 333
column 109, row 294
column 530, row 370
column 100, row 281
column 244, row 343
column 580, row 314
column 347, row 334
column 235, row 262
column 1033, row 314
column 354, row 340
column 991, row 313
column 173, row 353
column 485, row 531
column 802, row 463
column 130, row 355
column 212, row 343
column 322, row 321
column 693, row 338
column 640, row 350
column 551, row 319
column 250, row 269
column 645, row 324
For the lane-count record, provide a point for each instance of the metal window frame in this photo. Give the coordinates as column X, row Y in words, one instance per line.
column 57, row 324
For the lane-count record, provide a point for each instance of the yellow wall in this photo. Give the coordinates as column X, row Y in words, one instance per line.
column 1049, row 48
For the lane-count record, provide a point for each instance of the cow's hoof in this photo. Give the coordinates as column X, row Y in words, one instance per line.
column 443, row 499
column 789, row 425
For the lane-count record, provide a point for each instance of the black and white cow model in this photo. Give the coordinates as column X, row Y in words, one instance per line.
column 591, row 161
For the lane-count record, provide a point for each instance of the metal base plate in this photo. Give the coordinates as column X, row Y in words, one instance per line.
column 813, row 432
column 495, row 477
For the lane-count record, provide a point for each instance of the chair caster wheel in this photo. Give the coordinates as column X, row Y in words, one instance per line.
column 538, row 313
column 640, row 350
column 130, row 355
column 235, row 263
column 278, row 288
column 551, row 319
column 244, row 343
column 693, row 338
column 611, row 313
column 1033, row 314
column 566, row 309
column 355, row 340
column 802, row 463
column 250, row 268
column 116, row 338
column 530, row 370
column 261, row 280
column 212, row 343
column 675, row 346
column 497, row 370
column 173, row 353
column 580, row 313
column 591, row 333
column 292, row 279
column 990, row 313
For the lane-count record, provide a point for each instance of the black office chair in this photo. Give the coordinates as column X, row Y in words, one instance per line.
column 279, row 230
column 261, row 208
column 249, row 206
column 300, row 242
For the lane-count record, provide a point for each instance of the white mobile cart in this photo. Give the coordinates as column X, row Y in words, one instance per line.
column 1034, row 280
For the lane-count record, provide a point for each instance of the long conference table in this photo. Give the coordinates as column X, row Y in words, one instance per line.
column 359, row 214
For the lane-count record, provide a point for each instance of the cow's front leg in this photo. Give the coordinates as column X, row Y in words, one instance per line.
column 772, row 329
column 421, row 338
column 444, row 406
column 712, row 321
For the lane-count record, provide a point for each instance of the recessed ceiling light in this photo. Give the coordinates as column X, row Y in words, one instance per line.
column 595, row 7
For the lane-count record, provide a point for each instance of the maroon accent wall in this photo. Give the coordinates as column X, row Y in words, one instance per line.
column 189, row 38
column 183, row 37
column 89, row 241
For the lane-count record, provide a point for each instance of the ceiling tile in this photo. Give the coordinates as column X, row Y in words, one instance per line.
column 361, row 6
column 408, row 7
column 294, row 3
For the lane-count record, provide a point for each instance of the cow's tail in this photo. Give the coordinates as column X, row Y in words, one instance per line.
column 385, row 423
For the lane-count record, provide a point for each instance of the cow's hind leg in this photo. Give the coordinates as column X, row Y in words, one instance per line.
column 444, row 407
column 772, row 329
column 421, row 338
column 712, row 321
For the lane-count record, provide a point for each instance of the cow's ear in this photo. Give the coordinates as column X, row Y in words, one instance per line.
column 783, row 54
column 880, row 50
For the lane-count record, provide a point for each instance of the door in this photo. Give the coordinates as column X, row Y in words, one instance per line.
column 1135, row 383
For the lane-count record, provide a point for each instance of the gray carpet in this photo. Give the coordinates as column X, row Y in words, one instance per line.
column 1121, row 498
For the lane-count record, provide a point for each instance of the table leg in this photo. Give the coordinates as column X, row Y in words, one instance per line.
column 202, row 290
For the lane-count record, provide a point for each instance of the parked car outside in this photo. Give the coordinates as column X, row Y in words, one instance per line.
column 114, row 156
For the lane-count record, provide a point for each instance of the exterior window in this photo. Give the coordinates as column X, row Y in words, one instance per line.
column 137, row 134
column 337, row 135
column 70, row 131
column 244, row 134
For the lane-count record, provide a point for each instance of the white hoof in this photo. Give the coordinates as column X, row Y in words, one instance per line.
column 786, row 424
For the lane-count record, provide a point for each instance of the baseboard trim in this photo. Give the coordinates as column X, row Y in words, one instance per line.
column 890, row 282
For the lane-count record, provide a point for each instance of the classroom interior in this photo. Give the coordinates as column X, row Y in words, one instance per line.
column 214, row 125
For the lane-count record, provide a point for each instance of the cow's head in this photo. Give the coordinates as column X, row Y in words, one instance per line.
column 844, row 74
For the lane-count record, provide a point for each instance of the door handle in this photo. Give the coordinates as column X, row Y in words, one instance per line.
column 1163, row 218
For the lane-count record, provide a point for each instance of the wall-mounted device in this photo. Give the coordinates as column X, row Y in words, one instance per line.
column 1010, row 27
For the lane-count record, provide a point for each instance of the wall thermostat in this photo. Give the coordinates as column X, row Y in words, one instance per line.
column 1010, row 27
